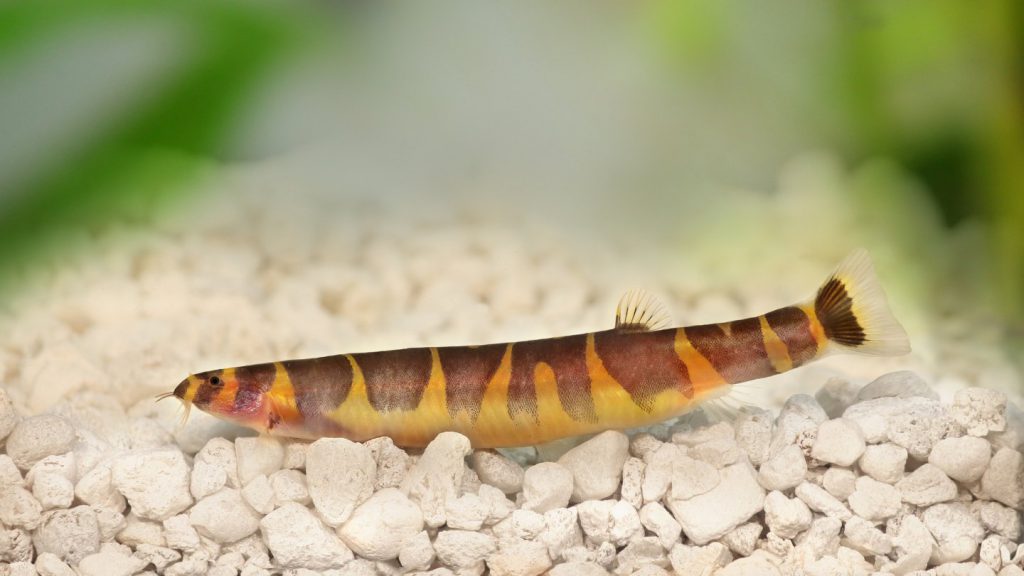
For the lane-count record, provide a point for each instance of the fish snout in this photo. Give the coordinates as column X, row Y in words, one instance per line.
column 181, row 389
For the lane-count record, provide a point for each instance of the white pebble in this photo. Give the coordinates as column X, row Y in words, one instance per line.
column 755, row 565
column 785, row 470
column 526, row 524
column 257, row 455
column 498, row 471
column 786, row 517
column 224, row 517
column 498, row 506
column 519, row 558
column 392, row 462
column 899, row 384
column 920, row 426
column 963, row 459
column 156, row 483
column 839, row 482
column 713, row 514
column 137, row 531
column 926, row 486
column 437, row 475
column 340, row 474
column 259, row 494
column 884, row 462
column 214, row 467
column 379, row 526
column 70, row 534
column 289, row 485
column 863, row 536
column 754, row 433
column 180, row 535
column 632, row 482
column 660, row 522
column 957, row 532
column 874, row 500
column 692, row 477
column 660, row 464
column 48, row 564
column 698, row 560
column 109, row 563
column 298, row 539
column 596, row 465
column 546, row 486
column 37, row 437
column 595, row 519
column 9, row 473
column 158, row 556
column 1004, row 478
column 836, row 395
column 800, row 413
column 743, row 539
column 819, row 500
column 461, row 549
column 96, row 487
column 561, row 531
column 295, row 455
column 467, row 512
column 578, row 568
column 979, row 410
column 53, row 491
column 417, row 552
column 624, row 524
column 110, row 522
column 8, row 415
column 839, row 442
column 639, row 553
column 999, row 519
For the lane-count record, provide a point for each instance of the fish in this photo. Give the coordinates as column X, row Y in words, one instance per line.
column 638, row 373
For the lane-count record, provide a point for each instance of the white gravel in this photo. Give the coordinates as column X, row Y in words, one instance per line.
column 830, row 501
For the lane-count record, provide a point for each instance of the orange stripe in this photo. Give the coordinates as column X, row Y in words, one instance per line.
column 778, row 354
column 702, row 374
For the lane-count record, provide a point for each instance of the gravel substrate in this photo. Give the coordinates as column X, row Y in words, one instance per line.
column 894, row 482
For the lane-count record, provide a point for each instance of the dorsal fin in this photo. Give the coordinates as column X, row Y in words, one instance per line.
column 641, row 311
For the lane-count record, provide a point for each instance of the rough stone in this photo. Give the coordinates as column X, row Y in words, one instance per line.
column 884, row 462
column 224, row 517
column 467, row 512
column 379, row 526
column 754, row 434
column 1004, row 478
column 298, row 539
column 155, row 482
column 259, row 494
column 214, row 467
column 819, row 500
column 786, row 517
column 519, row 558
column 632, row 482
column 957, row 532
column 920, row 426
column 437, row 475
column 255, row 455
column 69, row 534
column 417, row 552
column 926, row 486
column 339, row 475
column 839, row 482
column 963, row 459
column 863, row 536
column 784, row 471
column 711, row 515
column 498, row 471
column 899, row 384
column 547, row 486
column 691, row 477
column 698, row 560
column 289, row 485
column 660, row 522
column 979, row 410
column 874, row 500
column 839, row 442
column 596, row 465
column 462, row 550
column 37, row 437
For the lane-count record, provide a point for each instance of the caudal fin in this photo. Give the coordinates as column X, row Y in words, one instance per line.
column 854, row 312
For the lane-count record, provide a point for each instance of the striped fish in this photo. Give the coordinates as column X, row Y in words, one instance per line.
column 537, row 391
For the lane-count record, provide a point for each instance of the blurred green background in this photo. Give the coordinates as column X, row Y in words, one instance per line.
column 111, row 111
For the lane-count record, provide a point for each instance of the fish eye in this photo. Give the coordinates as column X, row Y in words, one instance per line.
column 215, row 381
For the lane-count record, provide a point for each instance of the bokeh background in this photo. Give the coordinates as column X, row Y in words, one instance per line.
column 737, row 147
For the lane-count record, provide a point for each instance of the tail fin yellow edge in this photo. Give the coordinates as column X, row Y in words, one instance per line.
column 854, row 312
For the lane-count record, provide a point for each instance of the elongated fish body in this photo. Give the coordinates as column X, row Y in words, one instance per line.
column 536, row 391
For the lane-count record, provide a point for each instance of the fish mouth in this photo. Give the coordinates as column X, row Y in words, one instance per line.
column 179, row 392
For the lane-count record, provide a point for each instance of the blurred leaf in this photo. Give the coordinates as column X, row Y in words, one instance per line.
column 144, row 156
